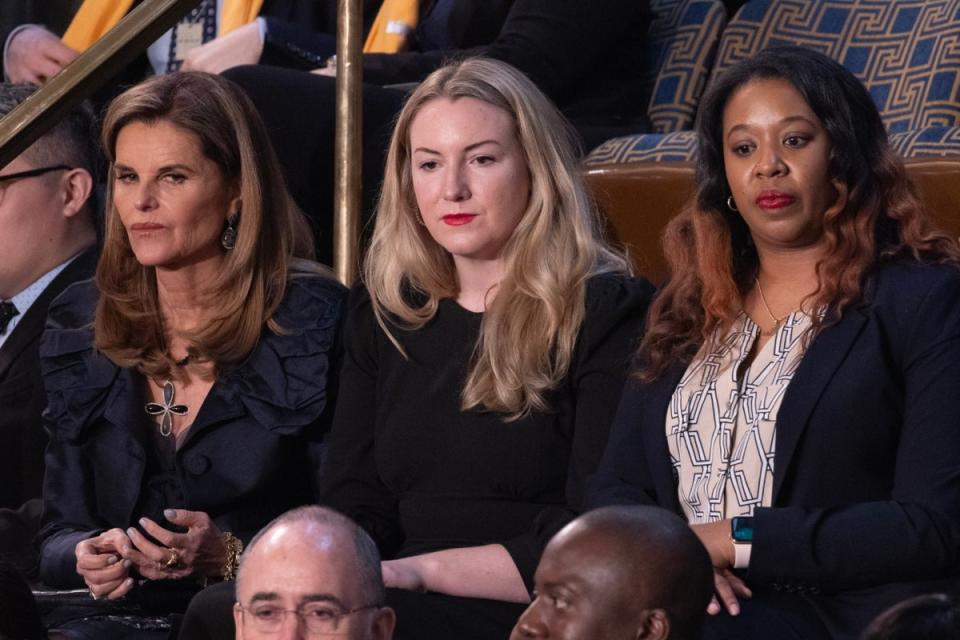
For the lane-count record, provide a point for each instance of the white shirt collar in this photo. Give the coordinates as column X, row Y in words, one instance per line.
column 25, row 299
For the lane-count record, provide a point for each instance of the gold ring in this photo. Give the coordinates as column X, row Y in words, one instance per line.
column 173, row 560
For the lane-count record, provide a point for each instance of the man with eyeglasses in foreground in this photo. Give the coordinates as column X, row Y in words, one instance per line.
column 311, row 573
column 47, row 238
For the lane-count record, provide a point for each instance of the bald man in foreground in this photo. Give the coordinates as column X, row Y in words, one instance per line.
column 620, row 573
column 311, row 572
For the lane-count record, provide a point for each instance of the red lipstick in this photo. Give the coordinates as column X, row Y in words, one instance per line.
column 458, row 219
column 774, row 200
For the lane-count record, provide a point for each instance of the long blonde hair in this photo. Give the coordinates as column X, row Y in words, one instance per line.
column 529, row 330
column 271, row 231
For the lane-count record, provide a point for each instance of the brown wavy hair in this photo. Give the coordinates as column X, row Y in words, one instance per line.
column 708, row 247
column 271, row 231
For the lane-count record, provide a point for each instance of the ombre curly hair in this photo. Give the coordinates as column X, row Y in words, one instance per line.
column 708, row 247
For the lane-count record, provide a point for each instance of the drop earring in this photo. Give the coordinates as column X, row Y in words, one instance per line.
column 229, row 238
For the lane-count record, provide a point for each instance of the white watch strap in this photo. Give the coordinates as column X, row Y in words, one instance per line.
column 741, row 554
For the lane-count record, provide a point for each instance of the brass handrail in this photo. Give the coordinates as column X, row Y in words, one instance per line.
column 348, row 149
column 93, row 68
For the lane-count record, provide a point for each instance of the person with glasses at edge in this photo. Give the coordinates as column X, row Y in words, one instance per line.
column 49, row 233
column 312, row 572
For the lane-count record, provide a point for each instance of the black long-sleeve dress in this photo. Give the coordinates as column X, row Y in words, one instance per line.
column 421, row 475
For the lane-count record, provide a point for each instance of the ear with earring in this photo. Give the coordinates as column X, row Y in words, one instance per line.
column 419, row 218
column 229, row 238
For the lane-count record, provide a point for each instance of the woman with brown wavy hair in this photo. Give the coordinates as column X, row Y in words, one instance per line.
column 187, row 383
column 794, row 391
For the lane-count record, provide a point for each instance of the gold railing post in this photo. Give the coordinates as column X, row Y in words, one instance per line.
column 98, row 64
column 348, row 146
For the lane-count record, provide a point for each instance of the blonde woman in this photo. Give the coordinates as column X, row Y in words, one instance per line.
column 485, row 351
column 187, row 384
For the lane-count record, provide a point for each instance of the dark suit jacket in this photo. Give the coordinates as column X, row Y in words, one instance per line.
column 253, row 451
column 22, row 438
column 22, row 399
column 866, row 495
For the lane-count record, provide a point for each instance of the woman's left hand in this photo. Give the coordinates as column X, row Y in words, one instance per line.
column 199, row 551
column 728, row 587
column 403, row 573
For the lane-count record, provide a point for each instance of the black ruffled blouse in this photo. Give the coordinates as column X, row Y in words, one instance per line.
column 253, row 451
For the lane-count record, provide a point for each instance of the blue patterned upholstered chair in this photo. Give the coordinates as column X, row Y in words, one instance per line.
column 907, row 53
column 683, row 40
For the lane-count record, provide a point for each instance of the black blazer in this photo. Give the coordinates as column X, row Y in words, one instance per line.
column 22, row 400
column 866, row 495
column 253, row 451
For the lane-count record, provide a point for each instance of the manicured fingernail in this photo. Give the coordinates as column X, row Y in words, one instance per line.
column 169, row 513
column 127, row 564
column 112, row 560
column 131, row 531
column 143, row 522
column 128, row 582
column 734, row 609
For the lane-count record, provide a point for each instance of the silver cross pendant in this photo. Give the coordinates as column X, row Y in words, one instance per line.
column 167, row 409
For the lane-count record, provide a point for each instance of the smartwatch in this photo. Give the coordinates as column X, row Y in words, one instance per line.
column 741, row 532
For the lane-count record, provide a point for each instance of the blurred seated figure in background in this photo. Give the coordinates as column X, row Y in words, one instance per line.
column 620, row 573
column 929, row 617
column 312, row 572
column 583, row 55
column 216, row 35
column 794, row 398
column 49, row 231
column 188, row 384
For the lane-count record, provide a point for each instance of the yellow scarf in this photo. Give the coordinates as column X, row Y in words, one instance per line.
column 394, row 22
column 96, row 17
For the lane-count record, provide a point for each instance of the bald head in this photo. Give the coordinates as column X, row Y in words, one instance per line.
column 620, row 572
column 317, row 561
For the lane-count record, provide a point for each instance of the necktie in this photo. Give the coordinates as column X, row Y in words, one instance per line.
column 197, row 27
column 7, row 311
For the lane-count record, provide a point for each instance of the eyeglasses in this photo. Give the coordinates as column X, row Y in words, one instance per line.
column 32, row 173
column 318, row 618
